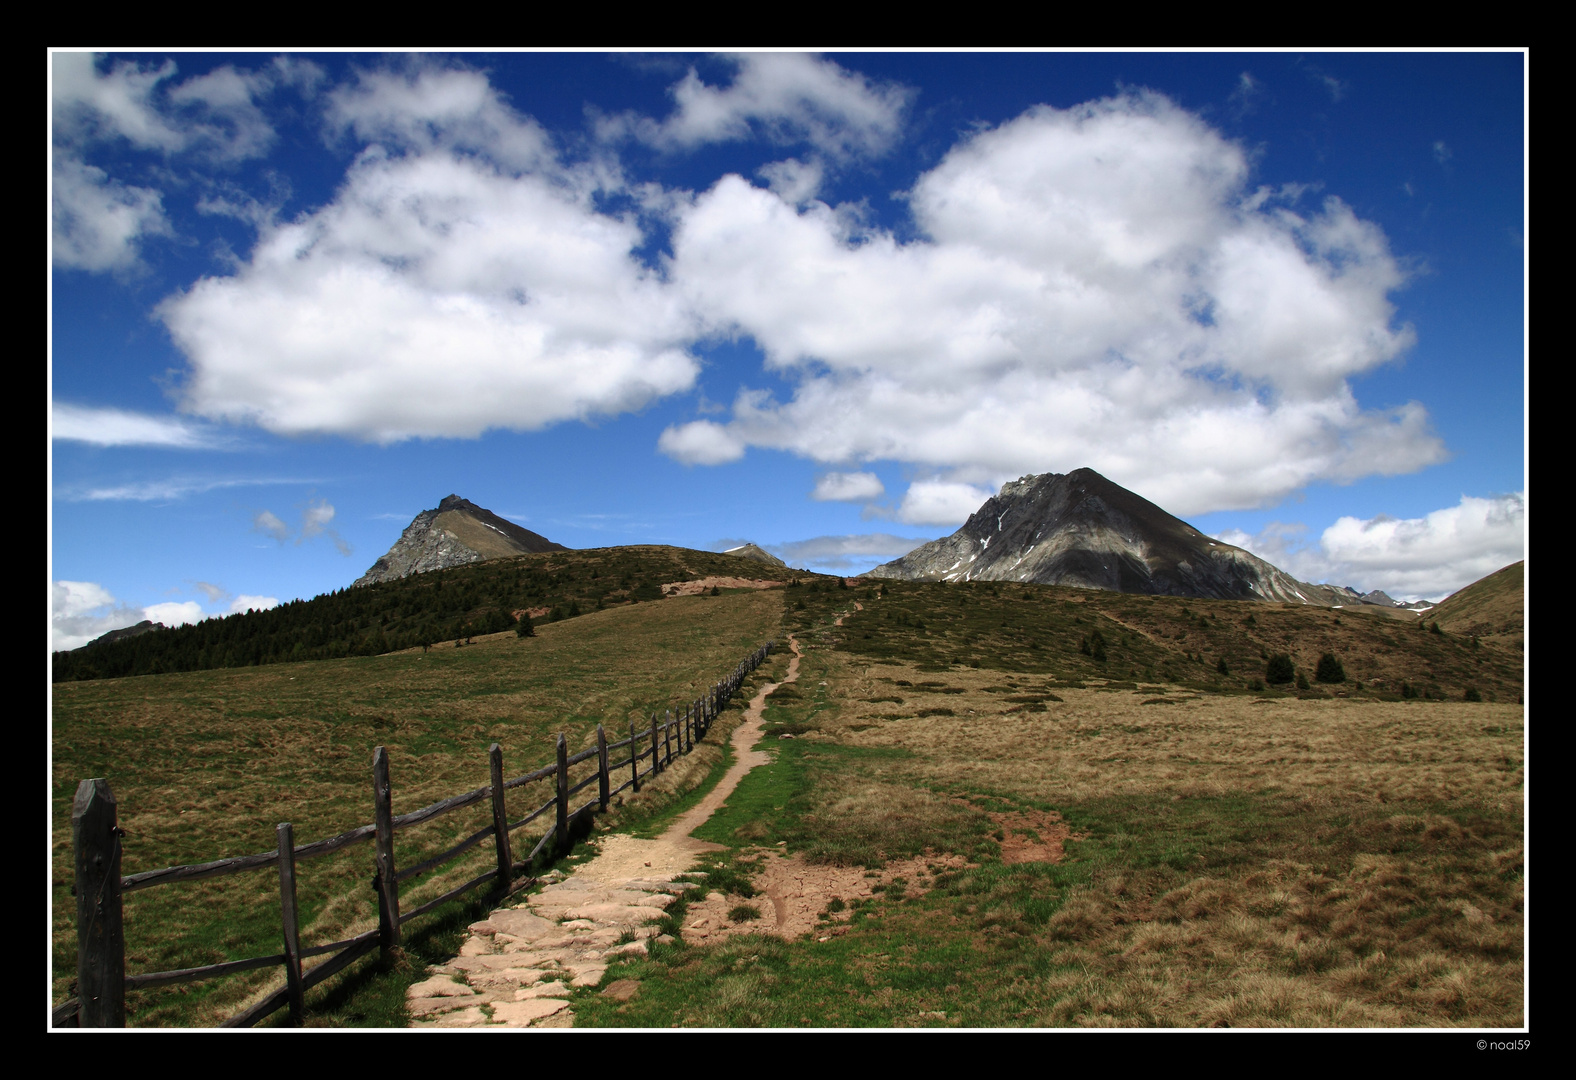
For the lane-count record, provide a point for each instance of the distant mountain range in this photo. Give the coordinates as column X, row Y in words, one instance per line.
column 456, row 533
column 1081, row 529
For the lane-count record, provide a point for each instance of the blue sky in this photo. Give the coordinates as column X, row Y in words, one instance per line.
column 824, row 303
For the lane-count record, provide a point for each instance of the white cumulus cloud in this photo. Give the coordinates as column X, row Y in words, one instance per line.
column 1424, row 558
column 701, row 442
column 99, row 222
column 848, row 487
column 248, row 602
column 1098, row 286
column 84, row 610
column 446, row 290
column 940, row 502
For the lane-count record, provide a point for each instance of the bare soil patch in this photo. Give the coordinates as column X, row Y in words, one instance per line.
column 797, row 897
column 706, row 584
column 1032, row 835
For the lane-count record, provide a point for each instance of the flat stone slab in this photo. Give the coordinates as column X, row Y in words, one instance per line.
column 619, row 914
column 432, row 1006
column 490, row 962
column 439, row 986
column 506, row 978
column 521, row 1013
column 525, row 925
column 472, row 1017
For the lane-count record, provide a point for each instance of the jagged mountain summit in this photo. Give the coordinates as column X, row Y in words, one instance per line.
column 759, row 554
column 457, row 532
column 1081, row 529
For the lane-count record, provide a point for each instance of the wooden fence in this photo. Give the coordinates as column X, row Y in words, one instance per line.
column 102, row 981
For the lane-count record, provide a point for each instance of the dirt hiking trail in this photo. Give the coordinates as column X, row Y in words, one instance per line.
column 518, row 967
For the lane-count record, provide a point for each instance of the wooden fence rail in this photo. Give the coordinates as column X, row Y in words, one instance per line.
column 102, row 981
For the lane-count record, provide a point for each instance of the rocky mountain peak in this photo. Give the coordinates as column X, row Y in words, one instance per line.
column 454, row 533
column 1081, row 529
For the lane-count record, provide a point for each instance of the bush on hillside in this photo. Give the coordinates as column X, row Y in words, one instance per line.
column 1329, row 670
column 1279, row 670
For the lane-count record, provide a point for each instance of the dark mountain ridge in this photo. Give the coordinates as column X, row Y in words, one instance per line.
column 1083, row 530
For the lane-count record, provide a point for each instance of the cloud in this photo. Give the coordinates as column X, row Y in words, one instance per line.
column 215, row 115
column 84, row 610
column 100, row 223
column 845, row 552
column 175, row 613
column 315, row 521
column 795, row 181
column 432, row 109
column 848, row 487
column 213, row 592
column 940, row 502
column 785, row 98
column 117, row 427
column 247, row 602
column 462, row 279
column 1442, row 152
column 171, row 488
column 1244, row 98
column 1412, row 558
column 1097, row 286
column 701, row 442
column 269, row 524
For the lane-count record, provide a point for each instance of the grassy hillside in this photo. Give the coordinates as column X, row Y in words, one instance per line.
column 1492, row 610
column 1043, row 629
column 423, row 609
column 204, row 764
column 1232, row 859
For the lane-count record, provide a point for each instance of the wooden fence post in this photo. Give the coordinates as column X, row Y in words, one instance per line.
column 290, row 918
column 563, row 793
column 101, row 937
column 387, row 883
column 656, row 758
column 667, row 738
column 634, row 760
column 500, row 816
column 604, row 782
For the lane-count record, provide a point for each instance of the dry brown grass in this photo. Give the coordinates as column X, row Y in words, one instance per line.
column 1235, row 862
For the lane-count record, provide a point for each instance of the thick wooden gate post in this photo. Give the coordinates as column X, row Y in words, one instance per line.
column 500, row 817
column 604, row 782
column 387, row 883
column 563, row 794
column 101, row 937
column 634, row 760
column 289, row 917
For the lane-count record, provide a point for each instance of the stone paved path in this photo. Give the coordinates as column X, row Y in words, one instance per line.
column 521, row 963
